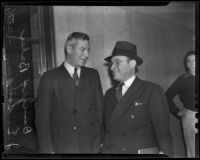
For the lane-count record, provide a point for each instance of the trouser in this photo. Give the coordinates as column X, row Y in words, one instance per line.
column 189, row 131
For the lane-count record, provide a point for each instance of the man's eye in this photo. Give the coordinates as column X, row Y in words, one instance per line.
column 117, row 63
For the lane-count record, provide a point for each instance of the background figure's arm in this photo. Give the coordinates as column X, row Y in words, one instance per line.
column 171, row 92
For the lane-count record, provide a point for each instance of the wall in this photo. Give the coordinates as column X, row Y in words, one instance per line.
column 161, row 43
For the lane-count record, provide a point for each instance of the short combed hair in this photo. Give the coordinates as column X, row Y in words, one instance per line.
column 76, row 36
column 189, row 53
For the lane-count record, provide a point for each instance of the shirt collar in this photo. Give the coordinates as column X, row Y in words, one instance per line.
column 128, row 82
column 70, row 69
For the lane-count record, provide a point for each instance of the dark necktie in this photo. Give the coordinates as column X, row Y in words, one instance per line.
column 75, row 76
column 118, row 93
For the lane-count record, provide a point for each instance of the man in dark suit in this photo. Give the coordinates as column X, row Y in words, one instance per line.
column 70, row 103
column 136, row 114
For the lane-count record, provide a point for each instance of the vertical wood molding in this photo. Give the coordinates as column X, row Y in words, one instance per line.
column 41, row 38
column 49, row 40
column 42, row 28
column 46, row 36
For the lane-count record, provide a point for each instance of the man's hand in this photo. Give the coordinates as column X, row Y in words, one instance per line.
column 181, row 113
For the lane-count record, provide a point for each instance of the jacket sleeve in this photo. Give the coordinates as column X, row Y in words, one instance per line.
column 99, row 104
column 171, row 92
column 42, row 120
column 159, row 113
column 99, row 99
column 105, row 98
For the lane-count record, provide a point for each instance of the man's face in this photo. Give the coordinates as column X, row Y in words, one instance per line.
column 190, row 62
column 79, row 53
column 121, row 68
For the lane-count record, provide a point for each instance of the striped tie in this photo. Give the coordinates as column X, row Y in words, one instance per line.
column 118, row 93
column 75, row 76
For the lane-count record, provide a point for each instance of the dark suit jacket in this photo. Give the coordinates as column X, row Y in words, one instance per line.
column 140, row 120
column 69, row 119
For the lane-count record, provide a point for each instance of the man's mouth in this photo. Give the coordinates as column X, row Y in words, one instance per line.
column 84, row 60
column 114, row 72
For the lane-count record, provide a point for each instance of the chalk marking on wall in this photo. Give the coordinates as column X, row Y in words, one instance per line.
column 27, row 129
column 8, row 146
column 13, row 132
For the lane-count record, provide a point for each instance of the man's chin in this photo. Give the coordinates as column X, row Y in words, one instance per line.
column 116, row 78
column 83, row 63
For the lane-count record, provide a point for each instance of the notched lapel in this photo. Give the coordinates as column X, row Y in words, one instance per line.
column 83, row 82
column 126, row 99
column 66, row 74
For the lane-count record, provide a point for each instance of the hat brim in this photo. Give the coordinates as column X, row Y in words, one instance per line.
column 138, row 60
column 108, row 59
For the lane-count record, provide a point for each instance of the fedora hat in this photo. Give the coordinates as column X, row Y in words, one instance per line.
column 123, row 48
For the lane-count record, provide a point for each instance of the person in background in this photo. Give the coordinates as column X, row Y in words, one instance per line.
column 70, row 103
column 136, row 113
column 184, row 87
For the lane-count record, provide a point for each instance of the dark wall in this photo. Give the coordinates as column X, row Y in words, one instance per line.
column 18, row 121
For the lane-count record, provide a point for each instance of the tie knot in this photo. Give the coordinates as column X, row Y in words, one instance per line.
column 121, row 84
column 75, row 70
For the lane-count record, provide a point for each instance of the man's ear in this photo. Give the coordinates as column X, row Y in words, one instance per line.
column 69, row 49
column 132, row 63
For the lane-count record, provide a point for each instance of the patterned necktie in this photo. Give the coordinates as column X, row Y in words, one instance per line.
column 75, row 76
column 118, row 93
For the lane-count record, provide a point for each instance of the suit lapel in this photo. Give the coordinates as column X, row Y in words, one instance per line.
column 125, row 100
column 66, row 73
column 83, row 82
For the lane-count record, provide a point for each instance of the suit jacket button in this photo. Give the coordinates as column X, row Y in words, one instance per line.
column 123, row 149
column 132, row 116
column 75, row 128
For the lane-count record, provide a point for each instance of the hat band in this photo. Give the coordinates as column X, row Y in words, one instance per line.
column 123, row 52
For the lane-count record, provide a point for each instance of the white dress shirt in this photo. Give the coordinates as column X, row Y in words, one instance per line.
column 70, row 69
column 127, row 84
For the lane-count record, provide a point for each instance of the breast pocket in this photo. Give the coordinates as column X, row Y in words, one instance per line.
column 138, row 114
column 138, row 107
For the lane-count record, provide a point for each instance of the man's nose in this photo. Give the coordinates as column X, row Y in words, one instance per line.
column 86, row 53
column 112, row 66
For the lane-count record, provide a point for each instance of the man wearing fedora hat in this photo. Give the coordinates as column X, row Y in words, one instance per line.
column 136, row 114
